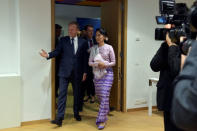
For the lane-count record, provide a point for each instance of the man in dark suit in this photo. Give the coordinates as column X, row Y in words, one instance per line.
column 72, row 68
column 88, row 85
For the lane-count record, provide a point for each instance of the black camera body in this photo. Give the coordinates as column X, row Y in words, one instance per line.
column 166, row 6
column 184, row 20
column 174, row 14
column 174, row 34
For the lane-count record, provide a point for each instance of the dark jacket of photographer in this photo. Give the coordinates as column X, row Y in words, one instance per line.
column 167, row 60
column 184, row 107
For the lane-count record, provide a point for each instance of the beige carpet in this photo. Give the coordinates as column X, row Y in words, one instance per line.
column 131, row 121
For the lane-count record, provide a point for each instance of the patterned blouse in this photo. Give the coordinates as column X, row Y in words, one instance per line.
column 108, row 55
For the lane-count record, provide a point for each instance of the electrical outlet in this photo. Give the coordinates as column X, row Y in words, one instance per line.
column 140, row 102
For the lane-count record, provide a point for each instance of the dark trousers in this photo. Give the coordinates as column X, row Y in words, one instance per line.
column 56, row 76
column 56, row 85
column 87, row 86
column 168, row 124
column 62, row 97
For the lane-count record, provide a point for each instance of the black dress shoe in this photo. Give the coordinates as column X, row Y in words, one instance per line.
column 58, row 122
column 77, row 117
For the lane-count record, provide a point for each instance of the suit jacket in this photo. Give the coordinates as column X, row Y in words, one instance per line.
column 68, row 61
column 167, row 60
column 57, row 59
column 94, row 40
column 184, row 108
column 89, row 69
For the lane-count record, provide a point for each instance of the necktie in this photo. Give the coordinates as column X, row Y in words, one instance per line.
column 91, row 43
column 72, row 45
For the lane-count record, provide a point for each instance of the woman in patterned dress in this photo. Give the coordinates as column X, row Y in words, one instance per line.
column 103, row 85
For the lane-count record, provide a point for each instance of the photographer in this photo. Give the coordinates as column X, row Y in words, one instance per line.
column 167, row 60
column 184, row 108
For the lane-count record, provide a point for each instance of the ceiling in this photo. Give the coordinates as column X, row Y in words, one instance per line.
column 81, row 2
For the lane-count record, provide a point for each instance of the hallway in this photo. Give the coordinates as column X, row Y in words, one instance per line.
column 130, row 121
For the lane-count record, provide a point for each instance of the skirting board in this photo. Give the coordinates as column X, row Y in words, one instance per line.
column 140, row 109
column 34, row 122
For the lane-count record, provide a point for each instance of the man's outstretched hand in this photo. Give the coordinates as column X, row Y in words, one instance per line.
column 44, row 54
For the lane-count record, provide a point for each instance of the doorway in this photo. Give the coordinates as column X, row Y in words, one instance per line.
column 114, row 20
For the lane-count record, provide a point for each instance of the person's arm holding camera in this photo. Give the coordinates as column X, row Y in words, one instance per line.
column 183, row 58
column 184, row 51
column 174, row 57
column 168, row 55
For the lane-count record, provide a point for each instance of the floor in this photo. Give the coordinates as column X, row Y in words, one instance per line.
column 118, row 121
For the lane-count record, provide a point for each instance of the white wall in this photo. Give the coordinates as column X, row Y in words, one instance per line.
column 10, row 99
column 35, row 32
column 9, row 46
column 64, row 14
column 10, row 88
column 141, row 24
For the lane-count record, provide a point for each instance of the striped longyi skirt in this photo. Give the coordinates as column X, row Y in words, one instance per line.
column 102, row 90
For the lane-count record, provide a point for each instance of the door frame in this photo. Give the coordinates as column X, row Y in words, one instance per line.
column 124, row 61
column 53, row 99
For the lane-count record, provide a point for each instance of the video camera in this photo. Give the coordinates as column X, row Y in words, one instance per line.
column 174, row 14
